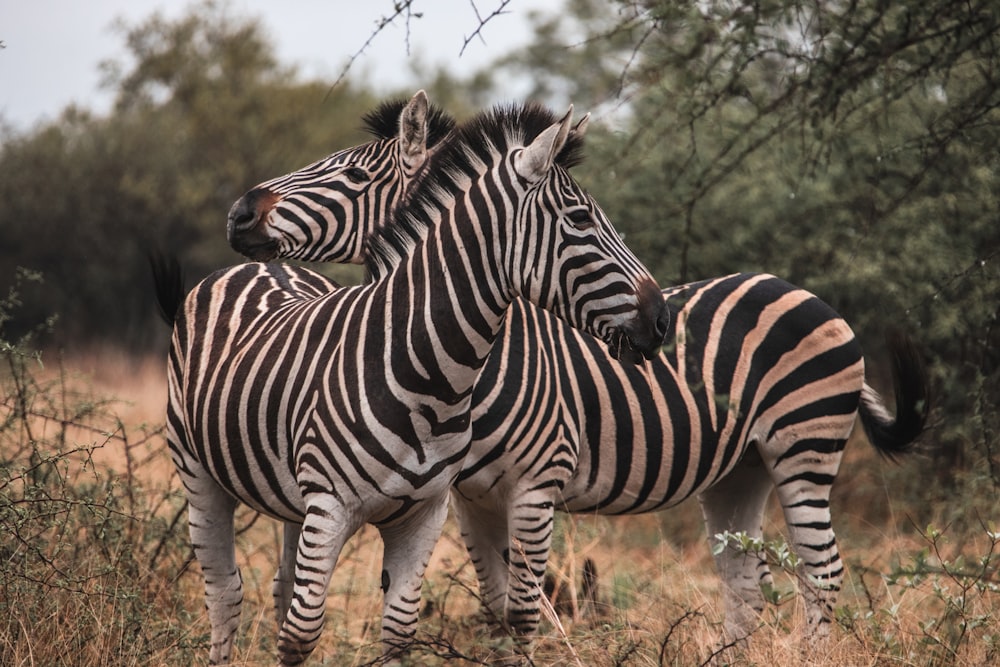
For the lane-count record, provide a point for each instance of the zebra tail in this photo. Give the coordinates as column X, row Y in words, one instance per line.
column 893, row 436
column 168, row 282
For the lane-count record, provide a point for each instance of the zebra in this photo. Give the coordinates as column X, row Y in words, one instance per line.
column 759, row 391
column 331, row 408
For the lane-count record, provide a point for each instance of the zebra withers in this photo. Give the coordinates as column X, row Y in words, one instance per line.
column 759, row 391
column 336, row 408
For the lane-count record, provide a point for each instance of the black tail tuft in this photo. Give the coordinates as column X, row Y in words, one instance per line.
column 893, row 436
column 168, row 281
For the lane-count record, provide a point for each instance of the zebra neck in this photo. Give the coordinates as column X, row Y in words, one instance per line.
column 445, row 308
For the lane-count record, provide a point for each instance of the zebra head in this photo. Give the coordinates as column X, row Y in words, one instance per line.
column 323, row 212
column 595, row 282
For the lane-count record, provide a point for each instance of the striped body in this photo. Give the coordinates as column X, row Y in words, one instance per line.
column 333, row 408
column 643, row 438
column 236, row 388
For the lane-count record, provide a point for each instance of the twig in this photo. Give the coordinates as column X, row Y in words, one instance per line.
column 482, row 23
column 383, row 23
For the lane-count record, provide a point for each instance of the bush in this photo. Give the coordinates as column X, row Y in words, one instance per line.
column 88, row 561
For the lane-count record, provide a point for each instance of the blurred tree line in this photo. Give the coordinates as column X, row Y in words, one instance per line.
column 202, row 112
column 848, row 146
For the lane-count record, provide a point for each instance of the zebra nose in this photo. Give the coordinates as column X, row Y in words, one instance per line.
column 249, row 210
column 240, row 215
column 655, row 312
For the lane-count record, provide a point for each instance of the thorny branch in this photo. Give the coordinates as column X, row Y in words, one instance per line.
column 404, row 8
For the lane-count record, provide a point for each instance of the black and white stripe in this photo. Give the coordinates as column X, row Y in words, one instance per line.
column 759, row 391
column 333, row 408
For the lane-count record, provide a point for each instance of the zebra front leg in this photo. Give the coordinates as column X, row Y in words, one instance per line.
column 284, row 578
column 408, row 543
column 323, row 534
column 210, row 521
column 531, row 521
column 485, row 533
column 735, row 504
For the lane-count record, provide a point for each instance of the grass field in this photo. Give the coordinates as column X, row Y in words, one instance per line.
column 97, row 567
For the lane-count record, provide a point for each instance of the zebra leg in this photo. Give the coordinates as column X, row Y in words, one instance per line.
column 323, row 535
column 531, row 522
column 210, row 520
column 804, row 482
column 408, row 544
column 484, row 532
column 284, row 578
column 736, row 503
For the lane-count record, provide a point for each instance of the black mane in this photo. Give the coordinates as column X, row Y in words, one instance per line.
column 505, row 125
column 478, row 140
column 382, row 122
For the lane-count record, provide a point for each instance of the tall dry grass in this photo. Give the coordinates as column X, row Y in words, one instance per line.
column 97, row 567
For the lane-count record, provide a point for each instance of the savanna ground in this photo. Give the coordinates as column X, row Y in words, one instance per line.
column 96, row 568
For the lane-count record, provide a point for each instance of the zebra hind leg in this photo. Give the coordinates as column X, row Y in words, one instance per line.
column 408, row 544
column 284, row 578
column 210, row 520
column 804, row 477
column 736, row 504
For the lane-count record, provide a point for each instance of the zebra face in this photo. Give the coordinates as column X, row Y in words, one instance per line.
column 324, row 211
column 594, row 282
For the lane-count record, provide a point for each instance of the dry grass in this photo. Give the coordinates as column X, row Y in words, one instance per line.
column 659, row 595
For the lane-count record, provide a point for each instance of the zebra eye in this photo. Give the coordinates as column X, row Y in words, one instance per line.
column 581, row 218
column 356, row 174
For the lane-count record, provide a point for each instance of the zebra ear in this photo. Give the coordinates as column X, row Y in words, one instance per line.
column 534, row 162
column 413, row 132
column 581, row 128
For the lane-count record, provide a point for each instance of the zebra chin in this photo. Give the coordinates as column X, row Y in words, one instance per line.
column 643, row 337
column 256, row 249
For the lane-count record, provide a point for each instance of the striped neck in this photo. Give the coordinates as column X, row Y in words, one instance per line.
column 449, row 292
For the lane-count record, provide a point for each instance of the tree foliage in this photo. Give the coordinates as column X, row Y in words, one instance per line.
column 848, row 146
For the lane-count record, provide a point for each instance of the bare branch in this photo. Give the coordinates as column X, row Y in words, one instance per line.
column 401, row 7
column 501, row 9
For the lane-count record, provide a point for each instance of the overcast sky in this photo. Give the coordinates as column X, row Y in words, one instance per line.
column 53, row 47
